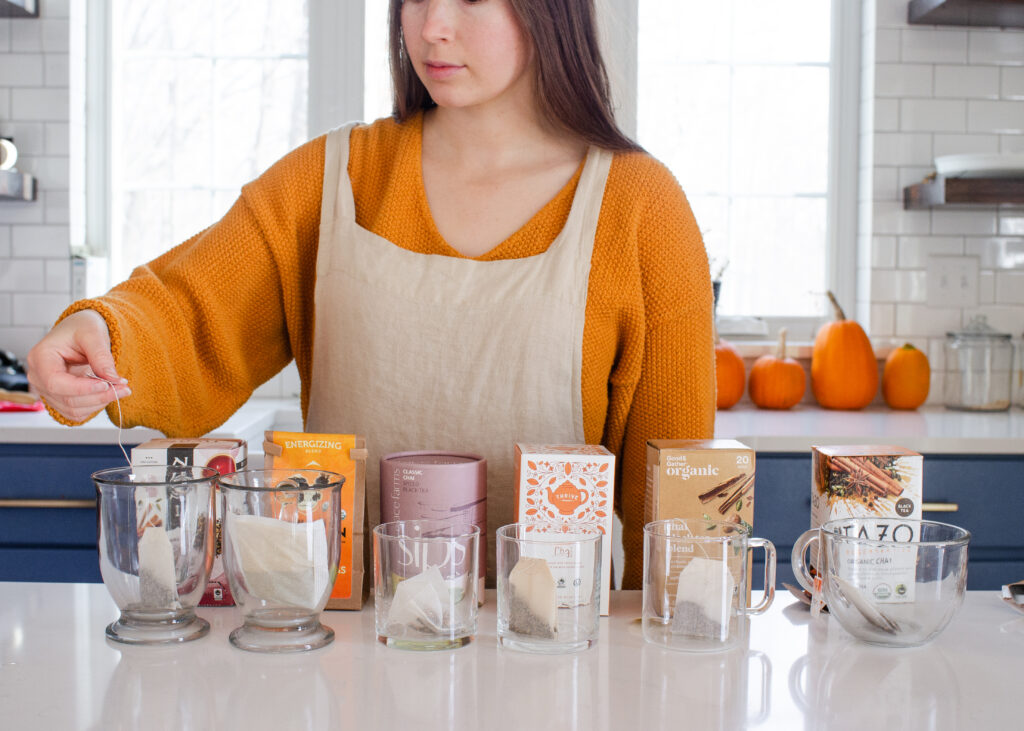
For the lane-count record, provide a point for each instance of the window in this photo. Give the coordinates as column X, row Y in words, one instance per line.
column 740, row 99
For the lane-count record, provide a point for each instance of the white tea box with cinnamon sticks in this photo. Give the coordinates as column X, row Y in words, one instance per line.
column 700, row 479
column 865, row 481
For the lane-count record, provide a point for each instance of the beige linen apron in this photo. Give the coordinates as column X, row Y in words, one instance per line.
column 421, row 351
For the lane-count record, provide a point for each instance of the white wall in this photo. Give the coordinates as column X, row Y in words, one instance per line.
column 929, row 91
column 35, row 236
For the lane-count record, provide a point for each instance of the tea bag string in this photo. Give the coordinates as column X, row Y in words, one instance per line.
column 120, row 416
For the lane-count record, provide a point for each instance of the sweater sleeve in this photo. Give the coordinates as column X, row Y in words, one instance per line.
column 675, row 394
column 196, row 330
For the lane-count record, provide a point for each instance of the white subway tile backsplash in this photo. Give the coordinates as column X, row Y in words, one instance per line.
column 37, row 309
column 56, row 35
column 883, row 320
column 20, row 340
column 21, row 69
column 996, row 47
column 291, row 384
column 885, row 185
column 5, row 241
column 28, row 136
column 57, row 9
column 52, row 173
column 1010, row 290
column 967, row 81
column 997, row 252
column 883, row 252
column 18, row 212
column 887, row 45
column 964, row 221
column 48, row 105
column 933, row 115
column 962, row 144
column 1006, row 117
column 923, row 321
column 5, row 35
column 56, row 204
column 935, row 387
column 890, row 218
column 43, row 242
column 1012, row 144
column 903, row 79
column 58, row 70
column 986, row 287
column 902, row 148
column 913, row 251
column 898, row 285
column 22, row 275
column 1011, row 224
column 887, row 115
column 270, row 389
column 58, row 276
column 5, row 103
column 57, row 136
column 933, row 45
column 936, row 356
column 1012, row 82
column 890, row 13
column 1004, row 318
column 5, row 315
column 26, row 35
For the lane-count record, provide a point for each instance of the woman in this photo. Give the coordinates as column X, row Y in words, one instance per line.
column 495, row 263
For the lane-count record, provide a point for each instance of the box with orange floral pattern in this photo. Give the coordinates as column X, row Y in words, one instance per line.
column 558, row 486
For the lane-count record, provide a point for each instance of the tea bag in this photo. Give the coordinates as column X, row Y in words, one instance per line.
column 420, row 600
column 158, row 586
column 281, row 562
column 533, row 606
column 703, row 598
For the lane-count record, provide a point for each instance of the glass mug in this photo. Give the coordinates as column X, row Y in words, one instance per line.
column 156, row 545
column 695, row 583
column 888, row 581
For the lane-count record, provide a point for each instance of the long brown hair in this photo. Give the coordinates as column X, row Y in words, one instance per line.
column 573, row 92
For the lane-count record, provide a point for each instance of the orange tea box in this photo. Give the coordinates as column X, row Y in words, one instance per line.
column 223, row 455
column 568, row 484
column 344, row 454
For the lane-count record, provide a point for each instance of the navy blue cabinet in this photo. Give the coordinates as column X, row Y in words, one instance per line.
column 47, row 510
column 986, row 490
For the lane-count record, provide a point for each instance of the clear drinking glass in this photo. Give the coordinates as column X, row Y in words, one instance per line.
column 695, row 583
column 156, row 545
column 281, row 543
column 425, row 584
column 549, row 587
column 888, row 581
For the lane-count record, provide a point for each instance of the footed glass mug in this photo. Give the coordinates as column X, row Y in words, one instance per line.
column 281, row 547
column 156, row 545
column 695, row 583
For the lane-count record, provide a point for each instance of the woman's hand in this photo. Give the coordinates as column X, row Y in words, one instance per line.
column 60, row 366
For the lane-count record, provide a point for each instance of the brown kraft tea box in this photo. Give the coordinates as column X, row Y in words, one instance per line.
column 700, row 480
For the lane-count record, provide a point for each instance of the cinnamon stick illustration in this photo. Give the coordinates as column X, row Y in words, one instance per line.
column 871, row 476
column 746, row 486
column 720, row 490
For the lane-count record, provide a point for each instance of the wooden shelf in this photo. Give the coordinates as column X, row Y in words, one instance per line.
column 985, row 13
column 940, row 191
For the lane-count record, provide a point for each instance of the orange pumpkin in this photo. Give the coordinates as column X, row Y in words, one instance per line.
column 777, row 382
column 730, row 374
column 906, row 378
column 844, row 371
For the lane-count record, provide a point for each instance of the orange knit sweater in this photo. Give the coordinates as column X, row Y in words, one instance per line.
column 198, row 329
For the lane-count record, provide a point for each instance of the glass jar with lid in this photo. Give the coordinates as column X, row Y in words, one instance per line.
column 979, row 362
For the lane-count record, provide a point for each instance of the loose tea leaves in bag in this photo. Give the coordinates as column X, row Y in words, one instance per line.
column 158, row 586
column 281, row 562
column 704, row 598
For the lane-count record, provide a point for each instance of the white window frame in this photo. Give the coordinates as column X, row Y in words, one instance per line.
column 620, row 26
column 335, row 96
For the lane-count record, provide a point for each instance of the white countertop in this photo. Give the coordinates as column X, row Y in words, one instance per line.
column 57, row 671
column 930, row 430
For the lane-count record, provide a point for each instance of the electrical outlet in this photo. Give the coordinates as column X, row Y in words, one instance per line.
column 952, row 281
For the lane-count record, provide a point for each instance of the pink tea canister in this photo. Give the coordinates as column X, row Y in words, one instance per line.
column 435, row 485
